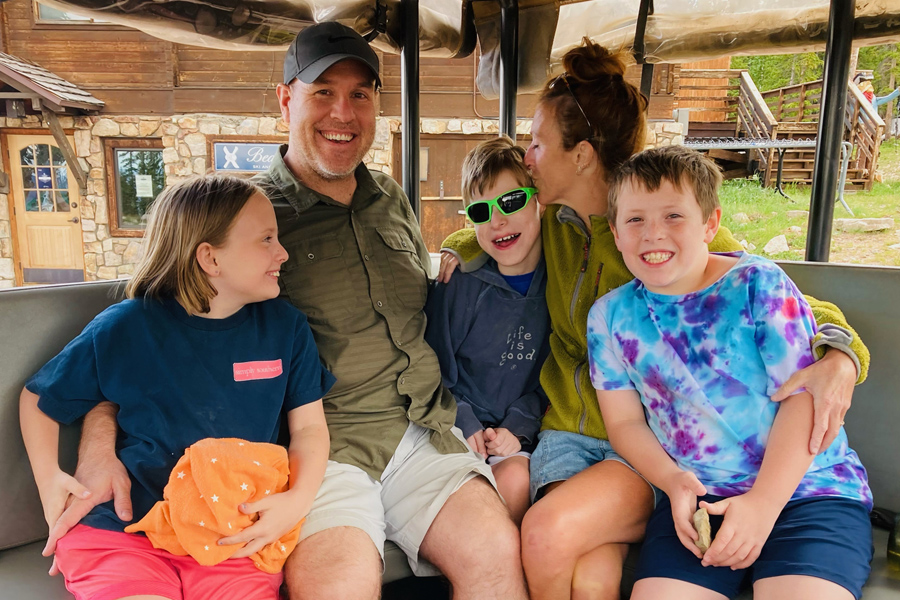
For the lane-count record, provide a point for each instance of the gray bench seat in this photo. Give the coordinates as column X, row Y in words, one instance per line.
column 35, row 323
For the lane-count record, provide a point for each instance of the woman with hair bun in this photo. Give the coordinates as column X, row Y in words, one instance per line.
column 589, row 503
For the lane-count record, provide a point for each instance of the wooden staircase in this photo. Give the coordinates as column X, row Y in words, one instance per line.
column 726, row 103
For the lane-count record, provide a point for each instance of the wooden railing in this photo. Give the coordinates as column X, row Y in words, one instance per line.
column 864, row 128
column 728, row 96
column 795, row 103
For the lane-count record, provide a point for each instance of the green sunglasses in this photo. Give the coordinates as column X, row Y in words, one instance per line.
column 507, row 203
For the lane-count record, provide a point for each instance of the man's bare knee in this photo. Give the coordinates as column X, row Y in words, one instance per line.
column 340, row 563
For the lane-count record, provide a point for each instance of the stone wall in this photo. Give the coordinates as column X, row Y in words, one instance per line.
column 185, row 148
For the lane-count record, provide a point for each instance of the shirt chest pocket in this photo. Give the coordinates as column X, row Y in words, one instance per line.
column 318, row 279
column 410, row 282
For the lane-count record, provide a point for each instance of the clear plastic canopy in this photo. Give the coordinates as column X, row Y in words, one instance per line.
column 678, row 31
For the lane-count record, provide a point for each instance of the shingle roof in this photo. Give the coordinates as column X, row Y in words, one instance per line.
column 29, row 77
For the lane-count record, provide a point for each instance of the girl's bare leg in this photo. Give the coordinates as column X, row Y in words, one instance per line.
column 607, row 503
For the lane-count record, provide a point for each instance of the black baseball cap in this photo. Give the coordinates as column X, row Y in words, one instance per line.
column 319, row 46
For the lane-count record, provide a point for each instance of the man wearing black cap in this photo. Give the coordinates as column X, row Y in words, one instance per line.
column 358, row 268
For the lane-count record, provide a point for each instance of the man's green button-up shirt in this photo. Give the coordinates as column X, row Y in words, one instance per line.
column 360, row 273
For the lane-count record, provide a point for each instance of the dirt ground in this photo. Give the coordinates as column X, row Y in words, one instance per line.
column 871, row 248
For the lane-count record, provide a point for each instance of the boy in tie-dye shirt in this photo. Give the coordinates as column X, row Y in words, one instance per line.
column 685, row 359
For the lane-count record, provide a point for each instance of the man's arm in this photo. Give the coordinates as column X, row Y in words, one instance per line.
column 99, row 469
column 749, row 518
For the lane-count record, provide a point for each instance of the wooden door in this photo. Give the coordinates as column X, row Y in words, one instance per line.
column 440, row 186
column 47, row 216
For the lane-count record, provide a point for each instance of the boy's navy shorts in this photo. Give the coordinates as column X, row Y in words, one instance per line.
column 828, row 538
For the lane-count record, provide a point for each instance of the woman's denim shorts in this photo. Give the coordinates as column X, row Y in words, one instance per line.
column 561, row 454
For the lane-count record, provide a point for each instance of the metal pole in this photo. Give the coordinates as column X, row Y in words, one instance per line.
column 409, row 114
column 831, row 129
column 509, row 65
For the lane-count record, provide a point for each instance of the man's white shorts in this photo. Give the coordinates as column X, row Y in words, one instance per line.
column 401, row 507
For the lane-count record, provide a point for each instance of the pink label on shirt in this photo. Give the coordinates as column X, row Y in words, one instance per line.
column 257, row 369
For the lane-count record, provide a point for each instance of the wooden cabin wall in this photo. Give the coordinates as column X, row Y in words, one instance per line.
column 723, row 62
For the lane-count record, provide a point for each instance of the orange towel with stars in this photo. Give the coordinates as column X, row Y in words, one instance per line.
column 200, row 502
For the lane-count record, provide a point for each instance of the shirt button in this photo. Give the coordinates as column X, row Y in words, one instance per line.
column 399, row 343
column 403, row 244
column 366, row 256
column 378, row 303
column 402, row 380
column 310, row 256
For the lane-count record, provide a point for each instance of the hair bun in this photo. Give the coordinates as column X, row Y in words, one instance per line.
column 591, row 62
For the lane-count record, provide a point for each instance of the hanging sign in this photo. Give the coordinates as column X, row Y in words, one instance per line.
column 244, row 157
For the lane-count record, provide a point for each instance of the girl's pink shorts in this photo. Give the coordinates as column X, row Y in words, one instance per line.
column 106, row 565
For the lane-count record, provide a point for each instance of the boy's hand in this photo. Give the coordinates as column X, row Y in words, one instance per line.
column 476, row 443
column 747, row 525
column 277, row 516
column 683, row 488
column 448, row 264
column 501, row 442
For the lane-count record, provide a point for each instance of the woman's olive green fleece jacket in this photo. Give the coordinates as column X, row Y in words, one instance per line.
column 581, row 268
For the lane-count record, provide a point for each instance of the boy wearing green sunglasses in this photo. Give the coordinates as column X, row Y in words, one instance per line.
column 490, row 327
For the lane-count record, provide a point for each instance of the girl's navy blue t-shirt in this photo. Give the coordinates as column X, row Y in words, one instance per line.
column 177, row 379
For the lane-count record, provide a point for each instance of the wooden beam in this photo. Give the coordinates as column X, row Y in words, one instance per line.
column 68, row 152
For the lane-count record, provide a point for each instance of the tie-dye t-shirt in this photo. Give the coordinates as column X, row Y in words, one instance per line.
column 705, row 365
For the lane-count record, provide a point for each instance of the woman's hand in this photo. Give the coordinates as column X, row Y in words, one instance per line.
column 277, row 516
column 501, row 442
column 449, row 263
column 830, row 381
column 683, row 488
column 745, row 529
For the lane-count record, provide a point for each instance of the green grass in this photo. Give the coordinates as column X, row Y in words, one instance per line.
column 767, row 211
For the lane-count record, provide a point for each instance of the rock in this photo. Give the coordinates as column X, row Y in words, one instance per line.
column 197, row 143
column 433, row 126
column 105, row 128
column 83, row 142
column 745, row 244
column 472, row 126
column 132, row 253
column 857, row 225
column 776, row 245
column 106, row 273
column 454, row 125
column 742, row 218
column 704, row 531
column 267, row 126
column 130, row 129
column 187, row 123
column 248, row 127
column 794, row 229
column 797, row 214
column 894, row 247
column 148, row 126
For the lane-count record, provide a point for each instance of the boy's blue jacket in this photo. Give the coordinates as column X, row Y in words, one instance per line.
column 491, row 342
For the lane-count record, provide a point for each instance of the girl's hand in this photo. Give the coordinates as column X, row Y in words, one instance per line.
column 55, row 493
column 448, row 265
column 683, row 488
column 830, row 381
column 747, row 525
column 501, row 442
column 476, row 443
column 277, row 516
